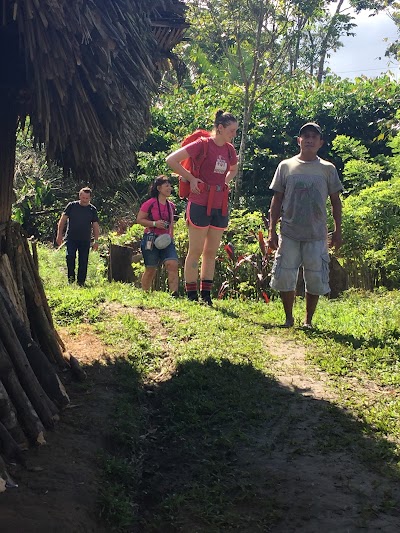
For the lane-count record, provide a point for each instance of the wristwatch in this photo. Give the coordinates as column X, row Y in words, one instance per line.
column 154, row 223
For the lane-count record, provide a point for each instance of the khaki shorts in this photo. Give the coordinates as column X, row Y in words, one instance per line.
column 312, row 256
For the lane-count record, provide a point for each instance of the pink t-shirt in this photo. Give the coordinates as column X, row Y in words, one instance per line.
column 213, row 169
column 151, row 206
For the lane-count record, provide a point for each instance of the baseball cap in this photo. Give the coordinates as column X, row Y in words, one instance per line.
column 314, row 125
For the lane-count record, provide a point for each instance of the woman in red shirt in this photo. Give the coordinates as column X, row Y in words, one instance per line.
column 206, row 213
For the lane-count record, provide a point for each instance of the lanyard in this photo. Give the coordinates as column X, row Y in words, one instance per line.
column 168, row 208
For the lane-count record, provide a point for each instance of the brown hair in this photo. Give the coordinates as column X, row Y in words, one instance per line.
column 159, row 180
column 86, row 190
column 223, row 118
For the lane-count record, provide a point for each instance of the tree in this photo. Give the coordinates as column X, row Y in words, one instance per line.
column 259, row 46
column 250, row 40
column 339, row 22
column 359, row 171
column 85, row 73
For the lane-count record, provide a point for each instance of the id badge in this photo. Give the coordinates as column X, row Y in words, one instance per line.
column 149, row 241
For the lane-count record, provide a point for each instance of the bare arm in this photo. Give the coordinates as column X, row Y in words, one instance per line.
column 60, row 228
column 143, row 219
column 174, row 162
column 274, row 215
column 231, row 173
column 337, row 218
column 96, row 233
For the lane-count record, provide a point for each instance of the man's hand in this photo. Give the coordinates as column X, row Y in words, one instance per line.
column 59, row 240
column 336, row 241
column 95, row 246
column 272, row 241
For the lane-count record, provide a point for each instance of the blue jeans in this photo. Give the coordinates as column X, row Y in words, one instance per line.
column 154, row 257
column 82, row 247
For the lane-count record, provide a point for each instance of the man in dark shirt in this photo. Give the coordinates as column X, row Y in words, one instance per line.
column 82, row 218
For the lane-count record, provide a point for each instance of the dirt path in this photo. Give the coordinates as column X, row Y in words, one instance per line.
column 59, row 491
column 318, row 491
column 312, row 490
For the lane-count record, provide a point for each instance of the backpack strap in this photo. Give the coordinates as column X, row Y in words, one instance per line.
column 201, row 157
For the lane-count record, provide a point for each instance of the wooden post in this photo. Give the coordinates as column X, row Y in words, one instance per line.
column 8, row 135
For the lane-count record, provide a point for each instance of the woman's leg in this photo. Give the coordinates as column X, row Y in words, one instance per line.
column 197, row 237
column 148, row 277
column 210, row 249
column 171, row 267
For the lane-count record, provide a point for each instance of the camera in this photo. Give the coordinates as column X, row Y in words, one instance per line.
column 166, row 225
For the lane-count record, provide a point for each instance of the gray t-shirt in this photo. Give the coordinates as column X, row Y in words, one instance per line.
column 306, row 186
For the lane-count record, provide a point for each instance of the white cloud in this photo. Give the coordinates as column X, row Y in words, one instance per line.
column 365, row 52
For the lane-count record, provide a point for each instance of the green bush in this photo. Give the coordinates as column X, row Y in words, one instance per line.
column 245, row 276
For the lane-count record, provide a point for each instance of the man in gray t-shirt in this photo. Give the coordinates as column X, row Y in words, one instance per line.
column 81, row 218
column 302, row 185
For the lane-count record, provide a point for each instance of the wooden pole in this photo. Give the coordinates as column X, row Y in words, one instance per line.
column 8, row 135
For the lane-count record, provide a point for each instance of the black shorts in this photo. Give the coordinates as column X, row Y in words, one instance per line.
column 197, row 216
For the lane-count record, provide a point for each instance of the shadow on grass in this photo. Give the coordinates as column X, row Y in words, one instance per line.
column 231, row 314
column 227, row 448
column 353, row 341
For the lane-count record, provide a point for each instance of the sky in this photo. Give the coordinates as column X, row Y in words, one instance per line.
column 365, row 53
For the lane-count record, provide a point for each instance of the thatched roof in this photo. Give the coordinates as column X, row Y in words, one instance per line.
column 85, row 72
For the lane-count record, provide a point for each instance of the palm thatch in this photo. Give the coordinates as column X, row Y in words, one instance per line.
column 85, row 72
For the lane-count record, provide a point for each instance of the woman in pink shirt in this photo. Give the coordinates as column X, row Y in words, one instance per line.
column 157, row 216
column 206, row 213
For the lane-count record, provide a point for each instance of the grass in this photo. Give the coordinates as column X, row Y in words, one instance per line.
column 177, row 440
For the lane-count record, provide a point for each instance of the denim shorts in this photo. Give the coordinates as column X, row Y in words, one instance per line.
column 291, row 255
column 155, row 257
column 197, row 216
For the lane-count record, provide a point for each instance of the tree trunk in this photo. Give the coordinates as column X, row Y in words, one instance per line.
column 8, row 129
column 120, row 263
column 245, row 128
column 325, row 42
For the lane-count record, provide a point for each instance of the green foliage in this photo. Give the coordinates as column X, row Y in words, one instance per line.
column 196, row 393
column 38, row 189
column 372, row 232
column 359, row 171
column 356, row 109
column 131, row 236
column 245, row 271
column 53, row 271
column 358, row 175
column 348, row 148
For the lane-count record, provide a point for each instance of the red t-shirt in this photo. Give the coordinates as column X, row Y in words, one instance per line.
column 166, row 213
column 213, row 169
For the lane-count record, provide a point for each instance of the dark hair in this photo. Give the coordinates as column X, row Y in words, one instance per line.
column 86, row 190
column 223, row 118
column 159, row 180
